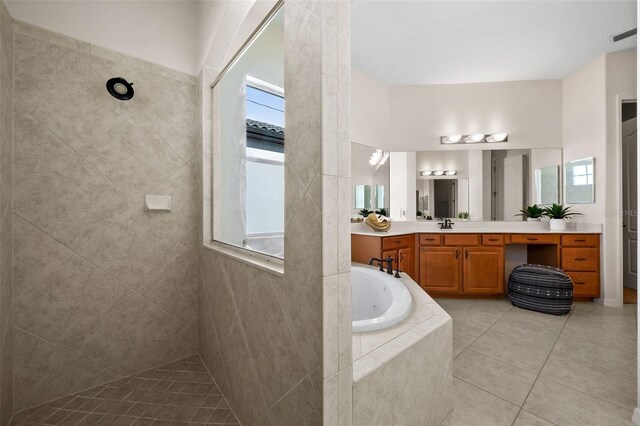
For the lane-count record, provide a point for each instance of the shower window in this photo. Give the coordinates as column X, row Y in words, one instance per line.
column 248, row 147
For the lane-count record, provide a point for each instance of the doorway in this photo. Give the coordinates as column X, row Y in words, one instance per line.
column 629, row 199
column 444, row 197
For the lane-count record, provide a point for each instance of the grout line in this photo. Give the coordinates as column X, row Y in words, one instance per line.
column 543, row 366
column 219, row 388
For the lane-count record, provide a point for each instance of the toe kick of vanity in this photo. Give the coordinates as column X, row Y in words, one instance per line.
column 468, row 264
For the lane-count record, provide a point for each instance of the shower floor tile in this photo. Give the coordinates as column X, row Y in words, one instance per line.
column 178, row 393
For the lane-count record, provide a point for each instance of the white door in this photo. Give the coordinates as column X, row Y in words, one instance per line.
column 513, row 187
column 630, row 203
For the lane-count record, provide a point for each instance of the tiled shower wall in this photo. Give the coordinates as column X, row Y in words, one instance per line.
column 6, row 252
column 101, row 287
column 274, row 342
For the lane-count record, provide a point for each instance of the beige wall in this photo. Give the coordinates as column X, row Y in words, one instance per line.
column 370, row 111
column 279, row 345
column 6, row 251
column 101, row 287
column 591, row 116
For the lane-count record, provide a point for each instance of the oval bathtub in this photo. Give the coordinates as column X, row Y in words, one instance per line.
column 378, row 300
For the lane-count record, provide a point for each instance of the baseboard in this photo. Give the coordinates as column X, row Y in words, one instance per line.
column 635, row 419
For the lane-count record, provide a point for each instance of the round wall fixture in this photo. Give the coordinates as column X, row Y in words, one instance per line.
column 120, row 88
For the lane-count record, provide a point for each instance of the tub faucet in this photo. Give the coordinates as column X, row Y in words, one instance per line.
column 389, row 261
column 380, row 263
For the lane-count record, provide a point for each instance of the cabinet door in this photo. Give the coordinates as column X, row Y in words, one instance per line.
column 405, row 260
column 440, row 269
column 392, row 254
column 483, row 270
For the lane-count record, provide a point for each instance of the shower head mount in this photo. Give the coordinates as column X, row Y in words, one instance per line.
column 120, row 88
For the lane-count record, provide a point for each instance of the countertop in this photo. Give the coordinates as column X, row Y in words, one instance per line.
column 461, row 226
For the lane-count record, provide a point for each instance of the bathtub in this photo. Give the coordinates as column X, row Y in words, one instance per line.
column 378, row 300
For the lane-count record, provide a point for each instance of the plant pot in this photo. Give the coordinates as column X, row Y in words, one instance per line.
column 533, row 219
column 557, row 224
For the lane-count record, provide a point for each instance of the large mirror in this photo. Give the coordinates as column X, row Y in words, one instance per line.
column 579, row 181
column 248, row 141
column 492, row 184
column 369, row 178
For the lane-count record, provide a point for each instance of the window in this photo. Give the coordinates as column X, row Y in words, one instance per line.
column 583, row 174
column 248, row 128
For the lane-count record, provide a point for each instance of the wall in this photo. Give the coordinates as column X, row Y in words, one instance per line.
column 370, row 112
column 279, row 344
column 531, row 111
column 6, row 222
column 101, row 287
column 591, row 117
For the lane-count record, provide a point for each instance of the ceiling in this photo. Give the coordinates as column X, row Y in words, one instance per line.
column 447, row 42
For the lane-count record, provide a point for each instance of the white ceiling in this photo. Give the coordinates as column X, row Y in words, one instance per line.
column 447, row 42
column 167, row 32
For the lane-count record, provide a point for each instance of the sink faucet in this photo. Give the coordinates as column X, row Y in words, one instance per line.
column 446, row 224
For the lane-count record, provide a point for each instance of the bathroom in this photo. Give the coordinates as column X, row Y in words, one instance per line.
column 166, row 258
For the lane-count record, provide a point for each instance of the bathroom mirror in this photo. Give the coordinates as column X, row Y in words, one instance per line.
column 579, row 181
column 491, row 184
column 369, row 177
column 249, row 145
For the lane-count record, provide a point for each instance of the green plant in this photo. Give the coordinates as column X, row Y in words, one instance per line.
column 463, row 215
column 558, row 211
column 365, row 212
column 533, row 212
column 418, row 213
column 383, row 212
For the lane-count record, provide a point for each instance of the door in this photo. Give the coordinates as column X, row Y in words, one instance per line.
column 405, row 260
column 483, row 270
column 513, row 187
column 630, row 203
column 440, row 269
column 444, row 198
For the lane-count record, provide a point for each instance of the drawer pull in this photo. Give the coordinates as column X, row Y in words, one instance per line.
column 580, row 259
column 456, row 253
column 429, row 239
column 397, row 241
column 492, row 239
column 532, row 239
column 579, row 282
column 580, row 241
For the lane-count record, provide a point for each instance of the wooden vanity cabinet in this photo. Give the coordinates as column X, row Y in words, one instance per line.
column 581, row 261
column 483, row 270
column 400, row 248
column 440, row 269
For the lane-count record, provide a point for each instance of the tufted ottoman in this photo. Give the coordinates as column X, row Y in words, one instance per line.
column 541, row 288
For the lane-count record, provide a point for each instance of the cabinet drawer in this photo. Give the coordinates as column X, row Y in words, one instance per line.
column 579, row 259
column 585, row 284
column 461, row 239
column 492, row 239
column 534, row 239
column 397, row 242
column 580, row 240
column 430, row 239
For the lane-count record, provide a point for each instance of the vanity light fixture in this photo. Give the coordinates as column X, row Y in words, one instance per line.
column 498, row 137
column 474, row 138
column 453, row 138
column 426, row 173
column 451, row 172
column 376, row 157
column 438, row 173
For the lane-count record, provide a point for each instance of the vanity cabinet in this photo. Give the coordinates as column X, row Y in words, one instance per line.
column 581, row 261
column 440, row 269
column 483, row 270
column 401, row 249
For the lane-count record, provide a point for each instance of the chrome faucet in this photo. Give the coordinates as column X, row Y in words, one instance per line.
column 446, row 224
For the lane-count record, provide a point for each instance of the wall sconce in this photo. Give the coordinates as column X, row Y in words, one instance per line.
column 457, row 138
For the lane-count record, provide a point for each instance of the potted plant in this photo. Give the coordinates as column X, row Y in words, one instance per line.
column 532, row 213
column 365, row 212
column 419, row 214
column 558, row 215
column 463, row 215
column 383, row 212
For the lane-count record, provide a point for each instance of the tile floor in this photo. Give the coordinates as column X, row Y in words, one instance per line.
column 177, row 393
column 516, row 367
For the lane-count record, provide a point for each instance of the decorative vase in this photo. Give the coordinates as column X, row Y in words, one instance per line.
column 557, row 224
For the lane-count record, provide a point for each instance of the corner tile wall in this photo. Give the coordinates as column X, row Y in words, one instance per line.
column 101, row 287
column 6, row 224
column 265, row 337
